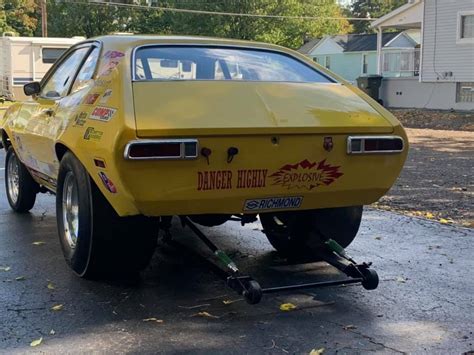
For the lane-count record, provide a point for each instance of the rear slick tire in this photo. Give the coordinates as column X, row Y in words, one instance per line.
column 96, row 242
column 301, row 235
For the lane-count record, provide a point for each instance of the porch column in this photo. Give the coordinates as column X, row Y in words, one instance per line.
column 379, row 50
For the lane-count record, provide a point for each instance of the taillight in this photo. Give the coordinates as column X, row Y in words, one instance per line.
column 374, row 144
column 162, row 149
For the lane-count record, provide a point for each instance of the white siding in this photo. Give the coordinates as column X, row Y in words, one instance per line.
column 441, row 54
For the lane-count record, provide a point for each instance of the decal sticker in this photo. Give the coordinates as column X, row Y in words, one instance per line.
column 80, row 119
column 103, row 114
column 92, row 134
column 102, row 82
column 105, row 97
column 91, row 99
column 247, row 179
column 306, row 175
column 223, row 179
column 109, row 185
column 215, row 180
column 272, row 203
column 110, row 60
column 100, row 163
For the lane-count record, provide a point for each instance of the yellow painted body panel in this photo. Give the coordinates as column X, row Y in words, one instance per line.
column 272, row 124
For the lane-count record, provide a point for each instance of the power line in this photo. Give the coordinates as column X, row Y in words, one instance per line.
column 217, row 13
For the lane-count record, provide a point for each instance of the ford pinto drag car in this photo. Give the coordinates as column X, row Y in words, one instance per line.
column 128, row 131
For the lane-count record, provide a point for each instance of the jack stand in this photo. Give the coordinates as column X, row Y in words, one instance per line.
column 333, row 254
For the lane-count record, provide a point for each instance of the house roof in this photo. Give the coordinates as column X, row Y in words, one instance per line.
column 308, row 46
column 362, row 42
column 352, row 42
column 395, row 14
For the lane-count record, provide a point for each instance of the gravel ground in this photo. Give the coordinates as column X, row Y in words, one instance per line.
column 436, row 119
column 436, row 181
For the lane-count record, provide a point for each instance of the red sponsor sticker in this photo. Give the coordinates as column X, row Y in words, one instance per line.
column 91, row 99
column 306, row 175
column 101, row 113
column 109, row 185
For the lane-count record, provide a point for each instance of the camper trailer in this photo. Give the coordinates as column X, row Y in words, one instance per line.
column 26, row 59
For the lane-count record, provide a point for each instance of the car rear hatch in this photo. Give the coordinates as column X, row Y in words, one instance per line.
column 197, row 108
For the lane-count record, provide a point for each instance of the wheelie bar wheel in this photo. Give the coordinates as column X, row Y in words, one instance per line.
column 253, row 292
column 370, row 279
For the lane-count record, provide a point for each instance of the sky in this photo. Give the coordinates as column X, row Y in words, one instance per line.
column 344, row 2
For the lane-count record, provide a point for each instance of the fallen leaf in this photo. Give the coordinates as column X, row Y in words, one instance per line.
column 58, row 307
column 153, row 319
column 429, row 215
column 20, row 278
column 349, row 327
column 231, row 301
column 5, row 268
column 50, row 286
column 205, row 315
column 317, row 351
column 285, row 307
column 400, row 279
column 38, row 243
column 36, row 342
column 468, row 224
column 52, row 332
column 443, row 220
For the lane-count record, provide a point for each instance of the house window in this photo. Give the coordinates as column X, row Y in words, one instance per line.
column 465, row 27
column 365, row 63
column 327, row 62
column 465, row 92
column 50, row 55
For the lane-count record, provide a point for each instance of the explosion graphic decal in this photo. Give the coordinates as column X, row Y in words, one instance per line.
column 306, row 175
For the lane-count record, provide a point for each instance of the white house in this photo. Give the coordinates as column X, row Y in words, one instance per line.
column 446, row 75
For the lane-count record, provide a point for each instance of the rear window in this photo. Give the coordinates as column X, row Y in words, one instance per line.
column 221, row 63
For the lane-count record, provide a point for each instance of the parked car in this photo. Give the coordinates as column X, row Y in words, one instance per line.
column 129, row 130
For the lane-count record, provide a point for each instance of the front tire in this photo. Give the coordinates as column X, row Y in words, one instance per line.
column 301, row 235
column 20, row 186
column 96, row 242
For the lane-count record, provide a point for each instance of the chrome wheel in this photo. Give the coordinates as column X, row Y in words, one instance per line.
column 13, row 178
column 70, row 210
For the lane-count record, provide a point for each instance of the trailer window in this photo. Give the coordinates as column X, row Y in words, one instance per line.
column 221, row 63
column 50, row 55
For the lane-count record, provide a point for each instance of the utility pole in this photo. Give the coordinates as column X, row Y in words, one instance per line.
column 44, row 19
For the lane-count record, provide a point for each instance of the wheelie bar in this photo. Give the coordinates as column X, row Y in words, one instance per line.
column 333, row 254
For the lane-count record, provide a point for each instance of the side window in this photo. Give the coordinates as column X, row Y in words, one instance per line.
column 60, row 81
column 87, row 71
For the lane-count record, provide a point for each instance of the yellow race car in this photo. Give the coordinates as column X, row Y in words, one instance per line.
column 128, row 131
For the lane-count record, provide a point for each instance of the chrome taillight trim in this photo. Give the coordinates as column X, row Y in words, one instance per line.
column 362, row 146
column 182, row 143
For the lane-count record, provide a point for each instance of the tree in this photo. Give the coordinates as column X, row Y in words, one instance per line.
column 373, row 9
column 68, row 19
column 18, row 16
column 287, row 32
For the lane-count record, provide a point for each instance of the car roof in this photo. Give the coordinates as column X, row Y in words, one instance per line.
column 129, row 41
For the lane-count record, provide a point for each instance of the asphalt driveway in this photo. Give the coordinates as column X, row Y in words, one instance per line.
column 423, row 304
